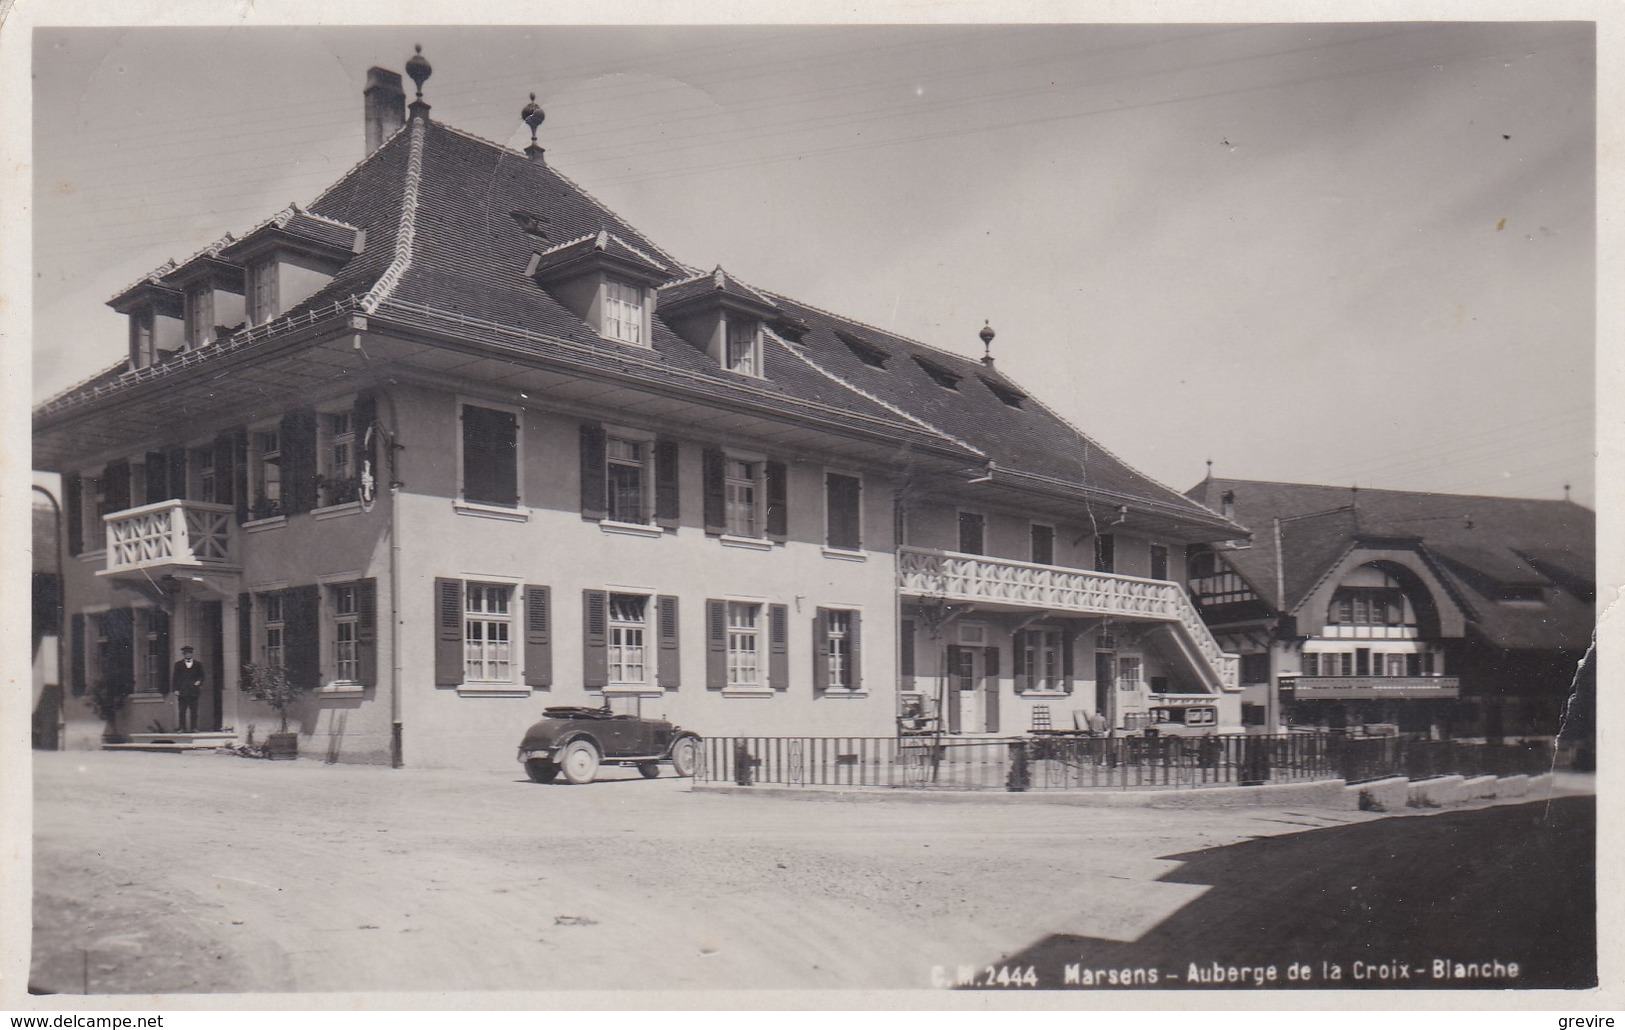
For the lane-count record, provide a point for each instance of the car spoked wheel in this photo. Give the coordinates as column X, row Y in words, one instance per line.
column 685, row 756
column 541, row 770
column 579, row 761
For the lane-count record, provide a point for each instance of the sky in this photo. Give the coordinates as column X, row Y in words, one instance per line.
column 1336, row 253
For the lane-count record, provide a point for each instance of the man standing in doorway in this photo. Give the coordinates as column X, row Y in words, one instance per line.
column 187, row 679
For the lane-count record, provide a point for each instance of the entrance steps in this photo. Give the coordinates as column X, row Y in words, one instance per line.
column 178, row 742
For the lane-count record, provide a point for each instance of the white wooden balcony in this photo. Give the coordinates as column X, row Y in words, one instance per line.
column 1003, row 583
column 170, row 535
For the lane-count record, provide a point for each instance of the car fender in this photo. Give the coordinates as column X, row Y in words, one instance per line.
column 575, row 735
column 676, row 736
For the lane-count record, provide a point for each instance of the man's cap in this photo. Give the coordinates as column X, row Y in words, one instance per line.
column 187, row 649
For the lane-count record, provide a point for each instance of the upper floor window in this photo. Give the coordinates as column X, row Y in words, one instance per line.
column 843, row 497
column 623, row 312
column 972, row 530
column 266, row 456
column 1367, row 606
column 1105, row 553
column 625, row 472
column 1159, row 561
column 1043, row 544
column 490, row 456
column 338, row 451
column 742, row 497
column 744, row 347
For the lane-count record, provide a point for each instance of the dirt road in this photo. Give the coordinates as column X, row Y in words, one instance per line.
column 212, row 873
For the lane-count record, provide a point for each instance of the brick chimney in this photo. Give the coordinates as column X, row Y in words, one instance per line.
column 384, row 104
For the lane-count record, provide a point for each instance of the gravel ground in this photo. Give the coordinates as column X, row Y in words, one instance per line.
column 212, row 873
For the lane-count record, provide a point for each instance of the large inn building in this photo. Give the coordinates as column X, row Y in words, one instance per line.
column 454, row 442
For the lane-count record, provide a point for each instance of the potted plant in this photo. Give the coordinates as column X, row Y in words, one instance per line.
column 271, row 685
column 107, row 699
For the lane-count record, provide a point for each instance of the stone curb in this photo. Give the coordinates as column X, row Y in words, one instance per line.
column 1315, row 794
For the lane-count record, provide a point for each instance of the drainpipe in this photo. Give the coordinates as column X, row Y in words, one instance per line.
column 1272, row 700
column 396, row 760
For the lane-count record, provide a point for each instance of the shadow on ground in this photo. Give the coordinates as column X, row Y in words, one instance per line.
column 1384, row 902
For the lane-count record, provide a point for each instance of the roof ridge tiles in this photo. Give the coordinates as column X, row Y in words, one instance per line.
column 1393, row 490
column 869, row 396
column 566, row 245
column 684, row 280
column 405, row 235
column 634, row 248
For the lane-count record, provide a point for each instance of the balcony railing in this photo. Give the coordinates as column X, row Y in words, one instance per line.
column 1373, row 688
column 169, row 533
column 969, row 577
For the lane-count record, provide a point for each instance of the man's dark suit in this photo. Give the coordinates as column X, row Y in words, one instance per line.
column 187, row 679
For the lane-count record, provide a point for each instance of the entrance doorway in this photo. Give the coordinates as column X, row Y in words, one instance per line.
column 1106, row 686
column 212, row 703
column 973, row 689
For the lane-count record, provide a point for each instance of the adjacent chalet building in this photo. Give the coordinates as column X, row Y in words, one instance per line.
column 453, row 442
column 1465, row 616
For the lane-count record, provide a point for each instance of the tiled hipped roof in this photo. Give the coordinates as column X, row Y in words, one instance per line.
column 1483, row 548
column 452, row 222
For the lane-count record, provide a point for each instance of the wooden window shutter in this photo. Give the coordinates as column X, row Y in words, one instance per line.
column 594, row 480
column 298, row 439
column 175, row 458
column 716, row 644
column 595, row 639
column 716, row 517
column 301, row 619
column 667, row 500
column 778, row 513
column 1018, row 653
column 157, row 476
column 245, row 629
column 669, row 672
column 820, row 651
column 73, row 512
column 854, row 637
column 843, row 498
column 228, row 488
column 158, row 619
column 76, row 682
column 1068, row 639
column 990, row 662
column 116, row 486
column 490, row 456
column 448, row 636
column 119, row 627
column 538, row 636
column 778, row 658
column 905, row 653
column 366, row 632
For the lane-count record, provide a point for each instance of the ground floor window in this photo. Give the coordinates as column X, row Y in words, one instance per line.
column 275, row 649
column 488, row 633
column 744, row 644
column 1038, row 659
column 628, row 630
column 838, row 648
column 346, row 612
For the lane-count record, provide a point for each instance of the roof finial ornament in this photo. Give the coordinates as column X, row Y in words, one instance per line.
column 533, row 116
column 987, row 335
column 1566, row 491
column 1210, row 468
column 419, row 69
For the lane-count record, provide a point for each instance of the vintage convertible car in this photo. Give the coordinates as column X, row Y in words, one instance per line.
column 576, row 741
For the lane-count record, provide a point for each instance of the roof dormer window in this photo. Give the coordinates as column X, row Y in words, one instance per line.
column 744, row 346
column 1004, row 391
column 289, row 258
column 865, row 351
column 940, row 374
column 625, row 314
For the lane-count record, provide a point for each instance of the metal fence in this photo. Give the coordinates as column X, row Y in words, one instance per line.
column 1063, row 762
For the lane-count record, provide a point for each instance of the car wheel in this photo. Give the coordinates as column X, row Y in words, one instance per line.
column 685, row 756
column 649, row 769
column 579, row 761
column 540, row 770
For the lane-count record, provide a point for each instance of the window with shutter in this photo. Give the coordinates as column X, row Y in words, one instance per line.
column 667, row 498
column 843, row 496
column 488, row 633
column 538, row 636
column 448, row 648
column 971, row 525
column 595, row 644
column 778, row 673
column 1043, row 544
column 490, row 456
column 905, row 653
column 1105, row 553
column 299, row 467
column 716, row 644
column 670, row 674
column 712, row 465
column 778, row 502
column 73, row 511
column 594, row 486
column 367, row 632
column 301, row 615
